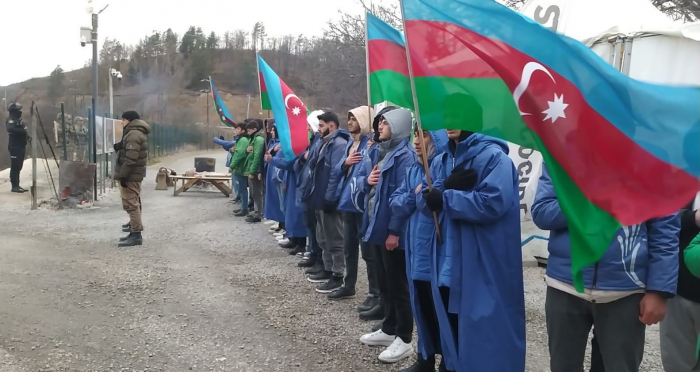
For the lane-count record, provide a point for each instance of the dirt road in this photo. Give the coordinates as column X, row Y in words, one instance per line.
column 207, row 292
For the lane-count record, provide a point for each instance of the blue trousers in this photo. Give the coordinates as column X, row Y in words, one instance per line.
column 243, row 191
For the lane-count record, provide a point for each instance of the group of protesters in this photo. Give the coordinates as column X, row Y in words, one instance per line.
column 443, row 251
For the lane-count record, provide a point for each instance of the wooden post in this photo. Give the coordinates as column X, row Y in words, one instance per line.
column 419, row 127
column 34, row 146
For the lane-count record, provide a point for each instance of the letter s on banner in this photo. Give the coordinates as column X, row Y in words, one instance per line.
column 528, row 163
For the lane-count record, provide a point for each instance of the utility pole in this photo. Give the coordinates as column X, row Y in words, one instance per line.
column 207, row 91
column 247, row 113
column 93, row 113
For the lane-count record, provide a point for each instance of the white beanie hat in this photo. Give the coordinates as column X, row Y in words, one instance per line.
column 313, row 119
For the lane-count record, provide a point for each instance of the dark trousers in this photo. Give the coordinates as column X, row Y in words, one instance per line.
column 394, row 292
column 256, row 189
column 618, row 332
column 16, row 164
column 310, row 223
column 300, row 242
column 424, row 295
column 352, row 222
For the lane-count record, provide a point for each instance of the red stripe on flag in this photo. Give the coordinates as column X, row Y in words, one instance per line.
column 263, row 88
column 444, row 58
column 387, row 55
column 613, row 171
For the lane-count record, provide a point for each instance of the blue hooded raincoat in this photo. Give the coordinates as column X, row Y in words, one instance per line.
column 419, row 236
column 480, row 260
column 273, row 184
column 293, row 215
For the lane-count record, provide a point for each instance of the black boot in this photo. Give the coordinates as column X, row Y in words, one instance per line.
column 253, row 219
column 375, row 313
column 18, row 189
column 368, row 304
column 421, row 365
column 124, row 238
column 132, row 240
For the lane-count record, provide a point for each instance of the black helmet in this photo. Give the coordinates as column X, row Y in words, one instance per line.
column 14, row 107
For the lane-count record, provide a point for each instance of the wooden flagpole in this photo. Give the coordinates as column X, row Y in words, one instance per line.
column 419, row 127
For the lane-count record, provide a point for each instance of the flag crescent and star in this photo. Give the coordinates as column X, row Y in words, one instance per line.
column 556, row 108
column 297, row 109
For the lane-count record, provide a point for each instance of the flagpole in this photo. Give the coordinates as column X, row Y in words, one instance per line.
column 369, row 97
column 419, row 127
column 257, row 63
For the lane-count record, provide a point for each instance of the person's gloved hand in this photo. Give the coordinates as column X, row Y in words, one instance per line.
column 118, row 146
column 433, row 198
column 122, row 182
column 463, row 179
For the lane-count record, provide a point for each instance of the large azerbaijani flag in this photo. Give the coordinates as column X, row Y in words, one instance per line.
column 221, row 109
column 619, row 151
column 387, row 66
column 289, row 111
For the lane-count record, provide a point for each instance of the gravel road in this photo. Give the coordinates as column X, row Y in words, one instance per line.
column 207, row 292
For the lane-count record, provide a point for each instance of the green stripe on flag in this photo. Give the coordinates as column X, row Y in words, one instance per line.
column 390, row 86
column 265, row 101
column 485, row 105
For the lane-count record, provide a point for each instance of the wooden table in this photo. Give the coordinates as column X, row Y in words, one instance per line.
column 219, row 181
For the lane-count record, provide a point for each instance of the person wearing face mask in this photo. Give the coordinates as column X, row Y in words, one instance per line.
column 17, row 144
column 418, row 235
column 394, row 157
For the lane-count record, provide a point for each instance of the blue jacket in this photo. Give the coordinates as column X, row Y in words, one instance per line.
column 293, row 215
column 273, row 204
column 348, row 200
column 323, row 192
column 641, row 256
column 227, row 145
column 304, row 170
column 393, row 172
column 480, row 259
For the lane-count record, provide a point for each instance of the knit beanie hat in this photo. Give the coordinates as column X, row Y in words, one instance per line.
column 131, row 115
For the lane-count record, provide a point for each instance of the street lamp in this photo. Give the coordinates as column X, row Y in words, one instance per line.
column 207, row 91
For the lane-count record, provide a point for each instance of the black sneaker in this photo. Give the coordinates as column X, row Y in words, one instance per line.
column 316, row 268
column 320, row 277
column 421, row 365
column 306, row 262
column 368, row 304
column 241, row 214
column 133, row 239
column 18, row 190
column 342, row 294
column 333, row 284
column 253, row 219
column 297, row 250
column 376, row 313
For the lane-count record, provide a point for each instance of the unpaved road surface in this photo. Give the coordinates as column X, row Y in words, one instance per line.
column 206, row 292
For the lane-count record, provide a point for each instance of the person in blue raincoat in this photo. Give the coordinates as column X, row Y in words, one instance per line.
column 419, row 234
column 313, row 263
column 293, row 216
column 273, row 209
column 383, row 230
column 475, row 192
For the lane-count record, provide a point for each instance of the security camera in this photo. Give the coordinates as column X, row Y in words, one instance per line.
column 119, row 76
column 113, row 72
column 83, row 41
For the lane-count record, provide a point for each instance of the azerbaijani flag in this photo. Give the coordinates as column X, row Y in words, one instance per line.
column 289, row 111
column 221, row 109
column 619, row 151
column 264, row 96
column 387, row 66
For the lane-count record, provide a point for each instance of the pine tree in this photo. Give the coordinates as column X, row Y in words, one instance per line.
column 56, row 87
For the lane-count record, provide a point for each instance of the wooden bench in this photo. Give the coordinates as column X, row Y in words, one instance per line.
column 218, row 180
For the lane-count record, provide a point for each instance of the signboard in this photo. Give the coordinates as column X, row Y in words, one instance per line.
column 106, row 133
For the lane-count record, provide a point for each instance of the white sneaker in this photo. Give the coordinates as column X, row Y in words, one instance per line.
column 396, row 352
column 270, row 222
column 279, row 233
column 378, row 338
column 274, row 227
column 281, row 237
column 283, row 241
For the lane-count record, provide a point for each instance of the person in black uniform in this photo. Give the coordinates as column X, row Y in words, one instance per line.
column 17, row 144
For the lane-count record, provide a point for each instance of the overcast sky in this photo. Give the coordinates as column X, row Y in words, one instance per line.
column 46, row 33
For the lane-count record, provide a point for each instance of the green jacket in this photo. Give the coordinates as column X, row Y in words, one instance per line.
column 691, row 255
column 240, row 156
column 254, row 161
